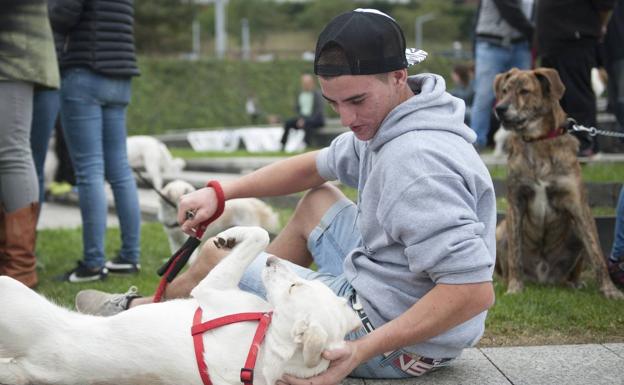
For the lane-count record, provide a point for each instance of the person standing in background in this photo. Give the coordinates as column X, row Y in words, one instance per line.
column 503, row 36
column 97, row 64
column 614, row 55
column 27, row 62
column 568, row 34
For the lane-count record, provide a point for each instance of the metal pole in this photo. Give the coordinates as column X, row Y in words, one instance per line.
column 196, row 38
column 220, row 32
column 245, row 40
column 420, row 20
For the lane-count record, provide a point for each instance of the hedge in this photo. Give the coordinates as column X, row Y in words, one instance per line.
column 176, row 94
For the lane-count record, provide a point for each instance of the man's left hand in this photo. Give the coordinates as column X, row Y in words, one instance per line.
column 342, row 363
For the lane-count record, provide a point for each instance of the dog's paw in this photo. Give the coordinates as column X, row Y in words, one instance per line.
column 227, row 243
column 235, row 235
column 611, row 292
column 514, row 287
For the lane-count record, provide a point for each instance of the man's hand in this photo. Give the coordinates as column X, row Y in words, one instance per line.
column 300, row 123
column 343, row 361
column 201, row 203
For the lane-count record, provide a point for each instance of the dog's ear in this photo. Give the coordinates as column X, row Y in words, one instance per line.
column 313, row 339
column 500, row 79
column 550, row 81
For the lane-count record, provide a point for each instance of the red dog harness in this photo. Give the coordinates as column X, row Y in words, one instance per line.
column 198, row 329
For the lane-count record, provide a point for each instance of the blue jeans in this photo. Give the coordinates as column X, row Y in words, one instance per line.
column 490, row 60
column 617, row 252
column 93, row 113
column 46, row 106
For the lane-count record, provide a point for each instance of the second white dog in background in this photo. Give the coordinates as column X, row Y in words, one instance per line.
column 152, row 154
column 238, row 212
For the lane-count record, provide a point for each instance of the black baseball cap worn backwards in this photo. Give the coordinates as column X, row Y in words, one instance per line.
column 372, row 41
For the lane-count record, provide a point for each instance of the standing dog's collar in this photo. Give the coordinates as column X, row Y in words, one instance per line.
column 198, row 329
column 552, row 134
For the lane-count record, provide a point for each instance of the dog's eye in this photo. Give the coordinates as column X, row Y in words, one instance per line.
column 291, row 287
column 524, row 91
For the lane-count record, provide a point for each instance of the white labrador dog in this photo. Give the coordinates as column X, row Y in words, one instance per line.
column 42, row 343
column 152, row 154
column 237, row 212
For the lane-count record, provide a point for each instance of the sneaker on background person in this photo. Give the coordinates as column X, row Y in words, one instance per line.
column 95, row 302
column 82, row 273
column 119, row 265
column 616, row 272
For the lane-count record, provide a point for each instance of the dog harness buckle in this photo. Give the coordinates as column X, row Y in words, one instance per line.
column 246, row 376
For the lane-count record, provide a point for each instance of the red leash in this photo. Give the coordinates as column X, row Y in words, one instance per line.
column 177, row 261
column 198, row 329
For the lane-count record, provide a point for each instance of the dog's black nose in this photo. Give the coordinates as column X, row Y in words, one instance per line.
column 501, row 109
column 271, row 260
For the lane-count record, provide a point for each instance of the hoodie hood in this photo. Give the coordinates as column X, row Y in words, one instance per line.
column 431, row 108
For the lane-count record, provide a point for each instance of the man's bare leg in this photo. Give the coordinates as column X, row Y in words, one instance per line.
column 290, row 243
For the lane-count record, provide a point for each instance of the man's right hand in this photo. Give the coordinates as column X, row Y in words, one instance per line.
column 202, row 203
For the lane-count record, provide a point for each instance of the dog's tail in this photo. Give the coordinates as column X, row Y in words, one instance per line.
column 24, row 317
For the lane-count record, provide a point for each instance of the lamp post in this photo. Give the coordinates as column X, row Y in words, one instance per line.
column 420, row 20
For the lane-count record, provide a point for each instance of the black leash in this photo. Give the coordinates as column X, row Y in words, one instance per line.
column 151, row 186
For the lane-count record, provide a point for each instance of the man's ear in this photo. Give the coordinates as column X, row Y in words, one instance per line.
column 313, row 338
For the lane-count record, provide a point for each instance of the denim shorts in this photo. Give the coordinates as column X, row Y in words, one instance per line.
column 329, row 243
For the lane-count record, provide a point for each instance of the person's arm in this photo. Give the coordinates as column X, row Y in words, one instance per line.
column 443, row 308
column 287, row 176
column 511, row 12
column 64, row 14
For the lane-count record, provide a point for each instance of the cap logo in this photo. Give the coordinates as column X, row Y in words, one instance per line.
column 415, row 56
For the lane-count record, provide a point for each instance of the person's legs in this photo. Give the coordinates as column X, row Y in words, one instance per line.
column 46, row 105
column 120, row 177
column 520, row 56
column 579, row 100
column 288, row 125
column 490, row 60
column 616, row 77
column 81, row 114
column 18, row 184
column 616, row 259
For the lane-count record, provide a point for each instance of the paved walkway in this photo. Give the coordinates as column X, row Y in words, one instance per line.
column 592, row 364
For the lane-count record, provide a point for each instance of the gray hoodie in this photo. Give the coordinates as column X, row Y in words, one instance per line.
column 427, row 210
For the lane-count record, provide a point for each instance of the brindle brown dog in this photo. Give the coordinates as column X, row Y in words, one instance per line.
column 549, row 229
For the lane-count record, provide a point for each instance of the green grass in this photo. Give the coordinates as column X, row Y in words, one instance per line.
column 592, row 172
column 553, row 315
column 58, row 251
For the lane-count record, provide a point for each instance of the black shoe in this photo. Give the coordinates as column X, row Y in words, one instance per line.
column 84, row 274
column 121, row 266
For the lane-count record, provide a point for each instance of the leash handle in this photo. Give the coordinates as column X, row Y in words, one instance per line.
column 216, row 186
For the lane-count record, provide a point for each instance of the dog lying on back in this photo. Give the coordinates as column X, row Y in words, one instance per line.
column 151, row 154
column 549, row 228
column 237, row 212
column 42, row 343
